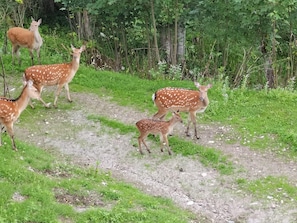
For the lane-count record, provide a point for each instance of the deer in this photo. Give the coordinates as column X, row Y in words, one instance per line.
column 163, row 128
column 184, row 100
column 29, row 38
column 11, row 109
column 59, row 75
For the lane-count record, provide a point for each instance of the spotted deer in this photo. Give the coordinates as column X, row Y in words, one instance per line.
column 29, row 38
column 184, row 100
column 11, row 109
column 150, row 126
column 54, row 74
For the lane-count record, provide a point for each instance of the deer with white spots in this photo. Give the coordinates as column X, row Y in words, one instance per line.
column 183, row 100
column 150, row 126
column 29, row 38
column 55, row 74
column 11, row 109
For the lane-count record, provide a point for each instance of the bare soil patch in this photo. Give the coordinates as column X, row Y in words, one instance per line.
column 197, row 188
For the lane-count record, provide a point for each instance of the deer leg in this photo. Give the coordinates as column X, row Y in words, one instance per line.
column 141, row 139
column 160, row 115
column 188, row 126
column 9, row 129
column 165, row 141
column 146, row 146
column 193, row 118
column 58, row 91
column 68, row 94
column 162, row 142
column 139, row 145
column 16, row 53
column 32, row 56
column 38, row 55
column 40, row 88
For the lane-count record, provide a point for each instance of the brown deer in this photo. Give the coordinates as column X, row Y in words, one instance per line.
column 54, row 74
column 10, row 109
column 150, row 126
column 184, row 100
column 29, row 38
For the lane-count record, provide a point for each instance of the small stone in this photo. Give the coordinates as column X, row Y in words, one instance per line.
column 189, row 203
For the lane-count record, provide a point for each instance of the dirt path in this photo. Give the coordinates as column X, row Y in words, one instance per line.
column 197, row 188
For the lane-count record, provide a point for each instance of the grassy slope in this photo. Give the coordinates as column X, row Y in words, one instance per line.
column 264, row 119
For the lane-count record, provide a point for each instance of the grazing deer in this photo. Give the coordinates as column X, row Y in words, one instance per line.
column 10, row 109
column 172, row 99
column 150, row 126
column 29, row 38
column 54, row 74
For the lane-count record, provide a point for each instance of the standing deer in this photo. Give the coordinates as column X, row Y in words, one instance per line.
column 54, row 74
column 29, row 38
column 11, row 109
column 192, row 101
column 150, row 126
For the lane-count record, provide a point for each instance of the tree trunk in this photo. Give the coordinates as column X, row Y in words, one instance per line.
column 268, row 64
column 155, row 31
column 126, row 49
column 149, row 50
column 87, row 27
column 181, row 50
column 175, row 40
column 270, row 77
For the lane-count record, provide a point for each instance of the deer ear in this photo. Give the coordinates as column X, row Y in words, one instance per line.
column 82, row 48
column 209, row 85
column 30, row 83
column 197, row 84
column 39, row 21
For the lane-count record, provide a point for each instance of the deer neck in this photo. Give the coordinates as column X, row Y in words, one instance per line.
column 22, row 101
column 75, row 63
column 205, row 101
column 37, row 37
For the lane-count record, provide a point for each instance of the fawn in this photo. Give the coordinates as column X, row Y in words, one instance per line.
column 11, row 109
column 54, row 74
column 150, row 126
column 192, row 101
column 31, row 39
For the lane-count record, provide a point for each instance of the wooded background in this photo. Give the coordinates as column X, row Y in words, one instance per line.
column 251, row 42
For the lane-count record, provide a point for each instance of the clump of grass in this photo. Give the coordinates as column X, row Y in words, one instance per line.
column 271, row 188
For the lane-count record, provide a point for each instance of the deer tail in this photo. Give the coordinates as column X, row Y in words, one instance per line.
column 154, row 97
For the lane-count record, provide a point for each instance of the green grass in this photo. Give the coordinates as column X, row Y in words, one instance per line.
column 48, row 191
column 270, row 188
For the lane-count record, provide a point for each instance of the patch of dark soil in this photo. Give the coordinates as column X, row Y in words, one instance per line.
column 80, row 202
